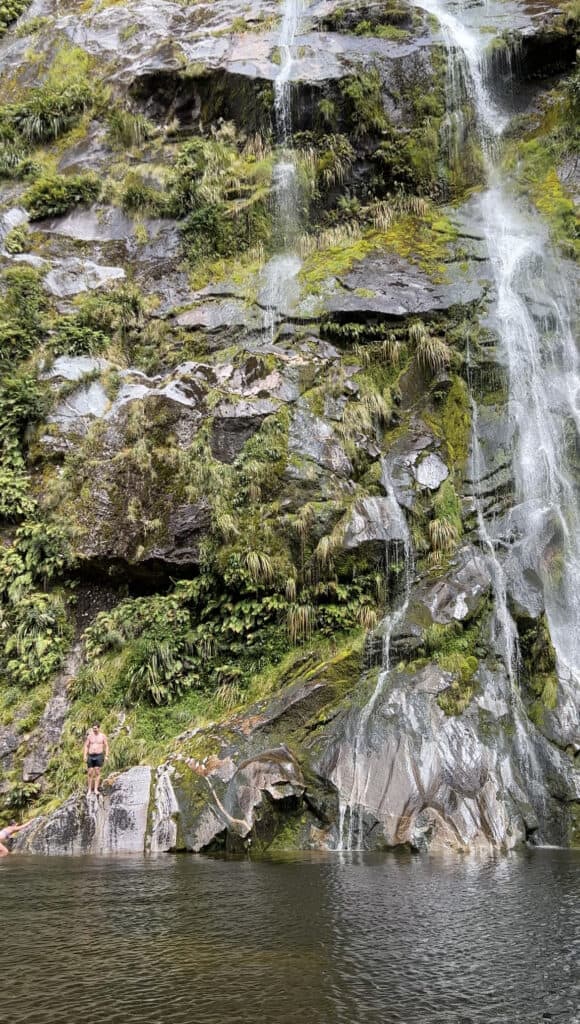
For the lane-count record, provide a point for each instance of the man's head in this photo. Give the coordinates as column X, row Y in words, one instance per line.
column 13, row 822
column 96, row 727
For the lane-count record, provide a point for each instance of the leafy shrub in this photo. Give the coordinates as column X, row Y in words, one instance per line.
column 138, row 196
column 35, row 632
column 10, row 10
column 21, row 313
column 363, row 101
column 17, row 240
column 14, row 160
column 36, row 635
column 53, row 196
column 21, row 401
column 224, row 196
column 72, row 337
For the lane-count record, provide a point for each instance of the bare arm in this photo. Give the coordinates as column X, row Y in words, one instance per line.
column 106, row 748
column 86, row 748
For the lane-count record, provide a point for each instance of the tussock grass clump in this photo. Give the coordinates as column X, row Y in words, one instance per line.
column 431, row 352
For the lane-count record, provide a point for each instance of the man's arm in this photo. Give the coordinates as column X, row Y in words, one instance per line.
column 19, row 828
column 106, row 747
column 86, row 748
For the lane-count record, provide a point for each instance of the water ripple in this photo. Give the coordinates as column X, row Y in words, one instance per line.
column 347, row 939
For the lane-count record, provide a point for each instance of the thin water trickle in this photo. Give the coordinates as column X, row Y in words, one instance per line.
column 281, row 271
column 352, row 803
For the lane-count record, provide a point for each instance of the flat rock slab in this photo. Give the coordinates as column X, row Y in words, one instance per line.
column 387, row 285
column 72, row 276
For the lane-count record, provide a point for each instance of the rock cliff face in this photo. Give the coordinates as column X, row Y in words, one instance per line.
column 260, row 509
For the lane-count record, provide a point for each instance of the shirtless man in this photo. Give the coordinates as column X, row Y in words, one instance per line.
column 7, row 833
column 95, row 751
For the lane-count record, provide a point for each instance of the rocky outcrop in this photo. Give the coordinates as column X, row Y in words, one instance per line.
column 42, row 745
column 486, row 780
column 436, row 781
column 117, row 822
column 386, row 285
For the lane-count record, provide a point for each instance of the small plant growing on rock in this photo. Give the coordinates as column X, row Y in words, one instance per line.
column 10, row 10
column 17, row 240
column 431, row 352
column 55, row 195
column 126, row 129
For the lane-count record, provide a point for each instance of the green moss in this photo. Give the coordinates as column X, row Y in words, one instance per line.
column 390, row 32
column 424, row 241
column 533, row 161
column 288, row 835
column 539, row 669
column 533, row 165
column 452, row 422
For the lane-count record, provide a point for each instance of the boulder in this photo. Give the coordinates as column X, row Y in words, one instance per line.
column 313, row 438
column 373, row 519
column 124, row 819
column 72, row 276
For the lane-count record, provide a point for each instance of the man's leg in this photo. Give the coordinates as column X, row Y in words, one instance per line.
column 97, row 780
column 90, row 774
column 4, row 851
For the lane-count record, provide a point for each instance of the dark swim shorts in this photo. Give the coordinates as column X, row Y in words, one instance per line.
column 95, row 760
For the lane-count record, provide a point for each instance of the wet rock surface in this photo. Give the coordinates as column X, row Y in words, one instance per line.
column 449, row 756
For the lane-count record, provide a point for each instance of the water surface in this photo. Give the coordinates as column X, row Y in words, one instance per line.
column 341, row 939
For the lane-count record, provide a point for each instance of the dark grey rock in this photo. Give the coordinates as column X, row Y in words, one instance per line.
column 47, row 736
column 313, row 438
column 394, row 288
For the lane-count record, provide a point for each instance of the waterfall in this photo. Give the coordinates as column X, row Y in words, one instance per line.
column 538, row 350
column 351, row 806
column 280, row 272
column 504, row 632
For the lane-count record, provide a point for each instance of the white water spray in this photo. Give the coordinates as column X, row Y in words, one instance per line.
column 538, row 349
column 281, row 271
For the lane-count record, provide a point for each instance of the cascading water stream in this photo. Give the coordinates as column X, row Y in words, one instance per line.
column 538, row 349
column 504, row 633
column 352, row 798
column 281, row 270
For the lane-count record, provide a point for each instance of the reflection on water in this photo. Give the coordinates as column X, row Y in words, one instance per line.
column 348, row 939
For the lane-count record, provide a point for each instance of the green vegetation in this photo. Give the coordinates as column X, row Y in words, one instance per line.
column 453, row 649
column 391, row 32
column 534, row 159
column 422, row 237
column 10, row 10
column 17, row 240
column 55, row 195
column 46, row 112
column 127, row 130
column 363, row 103
column 224, row 196
column 539, row 669
column 35, row 631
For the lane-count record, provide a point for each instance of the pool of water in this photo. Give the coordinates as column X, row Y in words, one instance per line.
column 342, row 939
